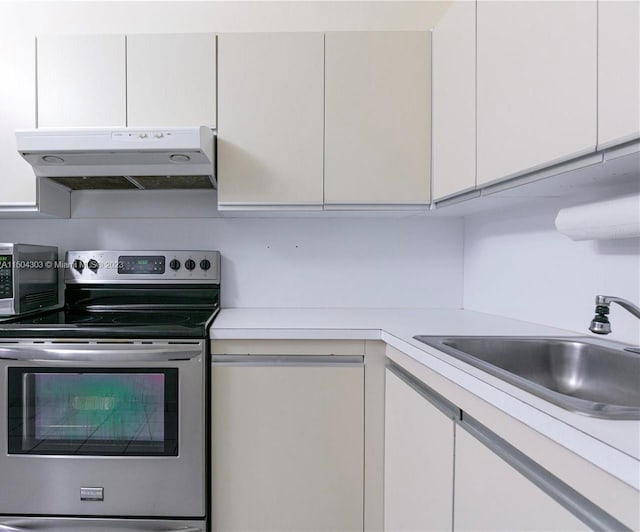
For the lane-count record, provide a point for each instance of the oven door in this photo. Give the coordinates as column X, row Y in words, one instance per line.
column 102, row 429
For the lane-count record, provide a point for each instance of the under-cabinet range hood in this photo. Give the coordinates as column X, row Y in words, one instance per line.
column 122, row 158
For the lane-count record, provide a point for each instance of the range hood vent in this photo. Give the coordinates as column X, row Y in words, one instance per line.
column 122, row 158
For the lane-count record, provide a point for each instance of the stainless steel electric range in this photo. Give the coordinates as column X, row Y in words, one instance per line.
column 103, row 404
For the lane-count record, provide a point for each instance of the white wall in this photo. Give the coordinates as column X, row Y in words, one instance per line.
column 291, row 262
column 517, row 265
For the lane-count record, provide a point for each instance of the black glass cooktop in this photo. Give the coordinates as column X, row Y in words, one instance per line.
column 128, row 311
column 129, row 324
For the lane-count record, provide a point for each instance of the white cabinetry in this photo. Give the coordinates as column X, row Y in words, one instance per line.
column 81, row 81
column 287, row 443
column 18, row 111
column 270, row 123
column 21, row 194
column 418, row 479
column 377, row 118
column 454, row 100
column 618, row 71
column 491, row 495
column 537, row 79
column 171, row 80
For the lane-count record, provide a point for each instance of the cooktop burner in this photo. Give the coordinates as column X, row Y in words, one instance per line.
column 140, row 318
column 62, row 317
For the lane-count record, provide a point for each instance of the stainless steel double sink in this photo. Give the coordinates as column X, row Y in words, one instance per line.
column 596, row 378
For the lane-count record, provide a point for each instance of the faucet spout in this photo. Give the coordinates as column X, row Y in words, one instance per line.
column 600, row 323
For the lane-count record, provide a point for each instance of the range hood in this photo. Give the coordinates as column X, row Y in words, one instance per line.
column 122, row 158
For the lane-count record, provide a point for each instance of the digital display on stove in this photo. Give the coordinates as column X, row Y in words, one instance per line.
column 131, row 264
column 6, row 276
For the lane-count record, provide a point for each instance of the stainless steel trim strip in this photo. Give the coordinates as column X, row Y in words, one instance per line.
column 590, row 514
column 98, row 352
column 287, row 360
column 457, row 197
column 444, row 405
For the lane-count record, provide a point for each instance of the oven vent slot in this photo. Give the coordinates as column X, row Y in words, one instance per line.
column 36, row 300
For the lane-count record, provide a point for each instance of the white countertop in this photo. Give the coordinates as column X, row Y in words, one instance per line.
column 609, row 444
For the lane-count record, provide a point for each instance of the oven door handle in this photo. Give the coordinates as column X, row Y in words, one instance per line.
column 100, row 353
column 56, row 526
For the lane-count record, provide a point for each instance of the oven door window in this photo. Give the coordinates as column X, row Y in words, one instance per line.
column 94, row 412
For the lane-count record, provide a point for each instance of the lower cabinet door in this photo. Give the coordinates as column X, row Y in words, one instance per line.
column 287, row 443
column 418, row 461
column 491, row 495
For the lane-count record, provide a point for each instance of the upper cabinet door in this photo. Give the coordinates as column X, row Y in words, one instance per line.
column 618, row 72
column 536, row 84
column 81, row 81
column 454, row 100
column 270, row 122
column 18, row 111
column 377, row 117
column 171, row 80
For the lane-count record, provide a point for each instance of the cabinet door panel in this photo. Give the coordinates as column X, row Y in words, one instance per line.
column 171, row 80
column 454, row 100
column 377, row 117
column 618, row 71
column 81, row 81
column 492, row 495
column 537, row 83
column 18, row 111
column 270, row 124
column 418, row 478
column 287, row 447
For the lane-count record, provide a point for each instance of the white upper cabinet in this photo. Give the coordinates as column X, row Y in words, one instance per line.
column 536, row 85
column 270, row 120
column 618, row 72
column 454, row 100
column 171, row 80
column 377, row 118
column 81, row 81
column 17, row 111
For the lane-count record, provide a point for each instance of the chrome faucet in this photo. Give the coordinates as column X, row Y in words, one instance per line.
column 600, row 323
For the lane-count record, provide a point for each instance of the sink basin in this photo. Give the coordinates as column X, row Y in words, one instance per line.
column 595, row 378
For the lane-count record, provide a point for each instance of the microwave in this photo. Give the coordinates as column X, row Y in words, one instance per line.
column 28, row 278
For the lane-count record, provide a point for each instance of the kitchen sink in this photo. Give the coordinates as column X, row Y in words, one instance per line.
column 595, row 378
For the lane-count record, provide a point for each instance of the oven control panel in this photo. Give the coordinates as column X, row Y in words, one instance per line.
column 108, row 266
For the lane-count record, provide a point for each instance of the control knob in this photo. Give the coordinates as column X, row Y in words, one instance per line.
column 205, row 264
column 175, row 264
column 93, row 265
column 190, row 264
column 78, row 265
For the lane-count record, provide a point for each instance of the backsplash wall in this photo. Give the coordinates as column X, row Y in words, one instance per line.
column 517, row 265
column 290, row 262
